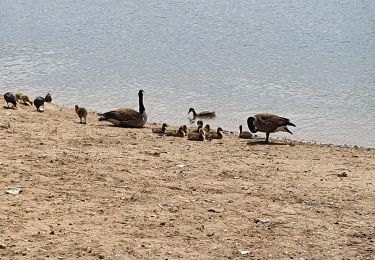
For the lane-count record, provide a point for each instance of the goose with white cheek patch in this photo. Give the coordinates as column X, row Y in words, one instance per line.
column 203, row 114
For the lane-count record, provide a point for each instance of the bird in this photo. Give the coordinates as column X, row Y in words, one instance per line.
column 245, row 134
column 176, row 133
column 196, row 129
column 18, row 96
column 82, row 114
column 202, row 114
column 196, row 136
column 39, row 103
column 48, row 98
column 268, row 123
column 160, row 130
column 207, row 128
column 25, row 99
column 10, row 98
column 214, row 134
column 127, row 117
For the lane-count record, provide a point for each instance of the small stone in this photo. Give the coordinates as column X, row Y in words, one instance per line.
column 2, row 246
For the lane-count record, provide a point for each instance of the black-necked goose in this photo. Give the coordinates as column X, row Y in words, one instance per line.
column 245, row 134
column 39, row 103
column 82, row 114
column 202, row 114
column 268, row 123
column 10, row 98
column 214, row 134
column 127, row 117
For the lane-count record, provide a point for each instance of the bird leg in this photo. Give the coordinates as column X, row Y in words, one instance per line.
column 267, row 136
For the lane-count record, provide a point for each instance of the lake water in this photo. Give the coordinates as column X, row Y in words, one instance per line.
column 310, row 61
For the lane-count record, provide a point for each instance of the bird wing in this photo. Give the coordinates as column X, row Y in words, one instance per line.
column 271, row 119
column 122, row 114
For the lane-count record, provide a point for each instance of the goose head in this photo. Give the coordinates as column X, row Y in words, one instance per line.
column 192, row 110
column 250, row 124
column 207, row 128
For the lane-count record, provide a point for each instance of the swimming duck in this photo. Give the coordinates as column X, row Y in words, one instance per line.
column 127, row 117
column 214, row 134
column 82, row 114
column 10, row 98
column 39, row 103
column 196, row 129
column 245, row 134
column 202, row 114
column 268, row 123
column 25, row 99
column 176, row 133
column 160, row 130
column 196, row 136
column 48, row 98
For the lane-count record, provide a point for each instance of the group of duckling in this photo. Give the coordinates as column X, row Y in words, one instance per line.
column 128, row 117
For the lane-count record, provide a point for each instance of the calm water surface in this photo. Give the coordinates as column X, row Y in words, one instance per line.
column 311, row 61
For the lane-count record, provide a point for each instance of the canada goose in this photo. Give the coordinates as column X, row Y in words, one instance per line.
column 196, row 136
column 82, row 114
column 127, row 117
column 202, row 114
column 39, row 103
column 196, row 129
column 10, row 98
column 176, row 133
column 159, row 130
column 48, row 98
column 207, row 128
column 25, row 99
column 214, row 134
column 268, row 123
column 245, row 134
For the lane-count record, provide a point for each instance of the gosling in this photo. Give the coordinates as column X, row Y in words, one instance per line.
column 82, row 114
column 196, row 136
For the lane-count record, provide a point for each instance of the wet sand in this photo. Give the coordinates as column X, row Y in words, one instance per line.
column 100, row 192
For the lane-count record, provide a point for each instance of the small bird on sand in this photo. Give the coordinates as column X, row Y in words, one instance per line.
column 10, row 98
column 214, row 134
column 39, row 103
column 196, row 136
column 159, row 130
column 268, row 123
column 176, row 133
column 245, row 134
column 196, row 129
column 82, row 114
column 202, row 114
column 48, row 98
column 25, row 100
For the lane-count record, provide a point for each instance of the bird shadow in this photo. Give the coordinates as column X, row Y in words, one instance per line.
column 5, row 107
column 263, row 142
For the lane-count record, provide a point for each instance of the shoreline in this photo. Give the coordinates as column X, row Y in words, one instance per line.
column 103, row 192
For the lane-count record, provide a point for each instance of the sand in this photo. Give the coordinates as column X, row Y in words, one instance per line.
column 100, row 192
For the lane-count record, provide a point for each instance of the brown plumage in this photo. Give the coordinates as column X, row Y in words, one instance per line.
column 127, row 117
column 245, row 134
column 176, row 133
column 214, row 134
column 82, row 114
column 196, row 136
column 25, row 99
column 207, row 128
column 159, row 130
column 268, row 123
column 196, row 129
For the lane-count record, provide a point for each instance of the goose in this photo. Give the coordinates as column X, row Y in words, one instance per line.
column 176, row 133
column 18, row 96
column 82, row 114
column 196, row 129
column 207, row 128
column 245, row 134
column 202, row 114
column 196, row 136
column 268, row 123
column 25, row 99
column 48, row 98
column 127, row 117
column 185, row 129
column 10, row 98
column 39, row 103
column 160, row 130
column 214, row 134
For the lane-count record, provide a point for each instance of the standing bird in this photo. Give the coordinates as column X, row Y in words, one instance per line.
column 245, row 134
column 82, row 113
column 127, row 117
column 39, row 103
column 10, row 98
column 48, row 98
column 202, row 114
column 268, row 123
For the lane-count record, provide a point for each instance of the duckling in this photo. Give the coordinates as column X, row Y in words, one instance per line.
column 196, row 129
column 214, row 134
column 25, row 100
column 82, row 114
column 18, row 96
column 10, row 98
column 127, row 117
column 268, row 123
column 48, row 98
column 39, row 103
column 202, row 114
column 185, row 129
column 158, row 130
column 196, row 136
column 245, row 134
column 176, row 133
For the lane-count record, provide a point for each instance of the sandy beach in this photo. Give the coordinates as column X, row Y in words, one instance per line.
column 100, row 192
